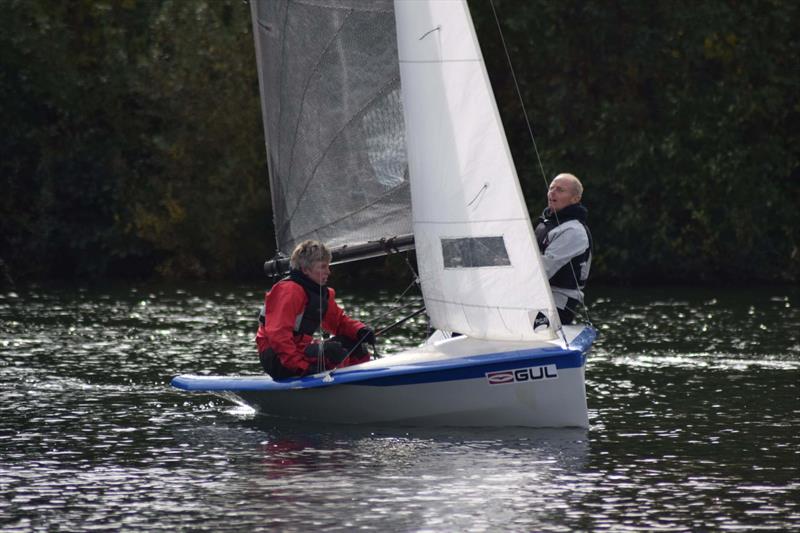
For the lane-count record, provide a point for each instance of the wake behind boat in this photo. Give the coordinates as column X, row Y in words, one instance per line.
column 383, row 134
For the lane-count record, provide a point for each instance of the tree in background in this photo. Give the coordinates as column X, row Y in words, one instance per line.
column 681, row 119
column 65, row 150
column 205, row 206
column 132, row 141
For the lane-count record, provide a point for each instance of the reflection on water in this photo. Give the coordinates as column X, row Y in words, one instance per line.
column 692, row 393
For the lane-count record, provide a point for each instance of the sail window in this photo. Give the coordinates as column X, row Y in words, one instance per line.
column 475, row 252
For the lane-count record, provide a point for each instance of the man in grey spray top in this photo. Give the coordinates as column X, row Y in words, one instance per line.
column 566, row 244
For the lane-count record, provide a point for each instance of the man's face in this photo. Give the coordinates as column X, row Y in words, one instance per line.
column 562, row 193
column 319, row 272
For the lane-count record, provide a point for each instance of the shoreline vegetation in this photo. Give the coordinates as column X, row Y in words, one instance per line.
column 133, row 149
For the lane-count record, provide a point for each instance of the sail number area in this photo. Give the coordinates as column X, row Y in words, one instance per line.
column 519, row 375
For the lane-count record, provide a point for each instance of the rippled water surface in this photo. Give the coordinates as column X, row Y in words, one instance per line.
column 693, row 397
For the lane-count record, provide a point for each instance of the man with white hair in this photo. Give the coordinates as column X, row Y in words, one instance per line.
column 566, row 244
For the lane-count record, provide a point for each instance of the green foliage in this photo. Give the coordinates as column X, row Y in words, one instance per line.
column 59, row 106
column 132, row 142
column 679, row 117
column 204, row 203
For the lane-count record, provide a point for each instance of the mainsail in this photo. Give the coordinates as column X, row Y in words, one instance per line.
column 479, row 265
column 333, row 122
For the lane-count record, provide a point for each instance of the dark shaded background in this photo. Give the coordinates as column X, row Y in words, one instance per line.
column 132, row 144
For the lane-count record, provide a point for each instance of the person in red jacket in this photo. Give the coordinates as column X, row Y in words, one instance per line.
column 295, row 308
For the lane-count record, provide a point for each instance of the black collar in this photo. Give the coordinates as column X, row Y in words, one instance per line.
column 571, row 212
column 298, row 277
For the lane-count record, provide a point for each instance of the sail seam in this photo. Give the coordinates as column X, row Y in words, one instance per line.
column 351, row 213
column 478, row 306
column 380, row 94
column 440, row 61
column 365, row 7
column 473, row 221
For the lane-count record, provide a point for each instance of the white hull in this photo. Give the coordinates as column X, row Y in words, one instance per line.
column 498, row 384
column 557, row 403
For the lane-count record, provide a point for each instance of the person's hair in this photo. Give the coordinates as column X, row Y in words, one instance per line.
column 307, row 253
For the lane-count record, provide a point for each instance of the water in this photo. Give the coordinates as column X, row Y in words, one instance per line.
column 693, row 398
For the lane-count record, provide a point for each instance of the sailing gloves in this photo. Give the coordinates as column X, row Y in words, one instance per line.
column 333, row 351
column 366, row 335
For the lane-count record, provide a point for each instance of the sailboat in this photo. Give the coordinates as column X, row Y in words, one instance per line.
column 383, row 134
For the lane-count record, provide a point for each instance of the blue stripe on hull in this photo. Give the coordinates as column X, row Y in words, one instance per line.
column 473, row 367
column 419, row 372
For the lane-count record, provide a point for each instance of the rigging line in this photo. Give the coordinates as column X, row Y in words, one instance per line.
column 406, row 318
column 394, row 310
column 519, row 94
column 321, row 345
column 414, row 273
column 414, row 281
column 530, row 133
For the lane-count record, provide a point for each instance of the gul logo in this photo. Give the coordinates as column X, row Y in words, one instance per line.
column 517, row 375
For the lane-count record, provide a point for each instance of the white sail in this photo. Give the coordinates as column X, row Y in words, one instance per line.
column 479, row 263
